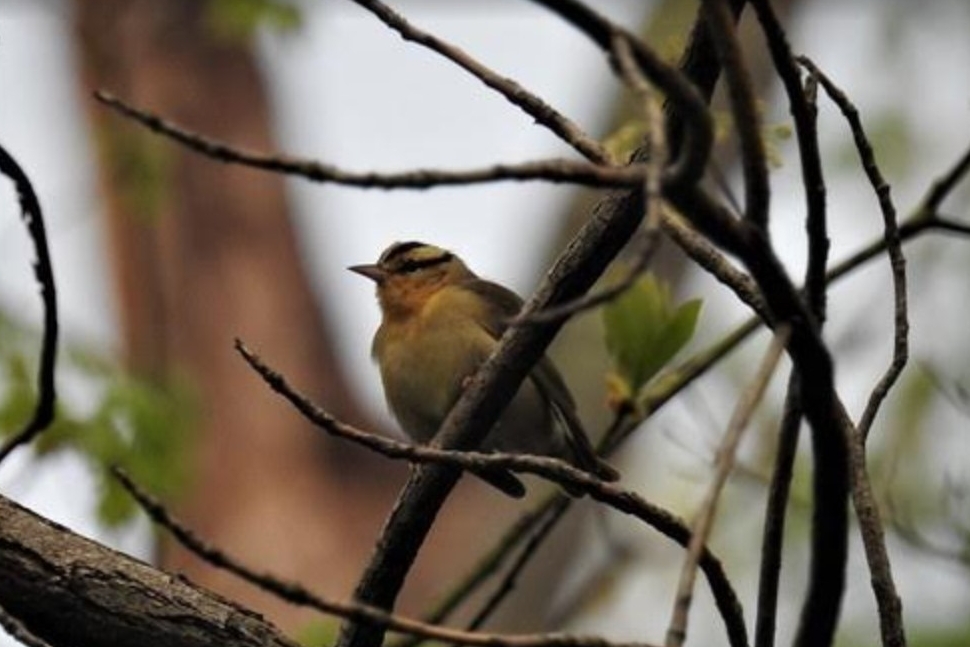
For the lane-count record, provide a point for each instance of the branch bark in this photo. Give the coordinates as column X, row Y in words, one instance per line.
column 70, row 591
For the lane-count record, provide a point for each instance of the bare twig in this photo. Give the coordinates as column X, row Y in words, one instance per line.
column 893, row 247
column 688, row 104
column 33, row 218
column 491, row 562
column 802, row 105
column 543, row 113
column 554, row 469
column 551, row 170
column 297, row 594
column 744, row 110
column 724, row 462
column 944, row 185
column 655, row 164
column 549, row 523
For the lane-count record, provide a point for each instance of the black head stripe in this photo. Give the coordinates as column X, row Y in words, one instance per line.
column 398, row 249
column 413, row 265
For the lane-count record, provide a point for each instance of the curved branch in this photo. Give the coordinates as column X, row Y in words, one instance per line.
column 46, row 389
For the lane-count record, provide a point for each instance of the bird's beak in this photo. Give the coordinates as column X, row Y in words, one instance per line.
column 372, row 272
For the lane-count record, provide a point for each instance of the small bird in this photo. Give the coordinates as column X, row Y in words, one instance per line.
column 440, row 322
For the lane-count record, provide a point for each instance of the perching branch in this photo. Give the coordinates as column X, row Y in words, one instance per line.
column 801, row 104
column 46, row 390
column 553, row 469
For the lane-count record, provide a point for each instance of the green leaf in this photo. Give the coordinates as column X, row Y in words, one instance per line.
column 644, row 330
column 238, row 20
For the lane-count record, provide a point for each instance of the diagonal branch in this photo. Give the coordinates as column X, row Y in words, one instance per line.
column 724, row 463
column 754, row 160
column 532, row 105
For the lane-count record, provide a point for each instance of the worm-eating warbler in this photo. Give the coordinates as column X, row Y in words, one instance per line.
column 440, row 322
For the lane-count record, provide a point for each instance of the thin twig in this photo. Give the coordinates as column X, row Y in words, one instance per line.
column 549, row 523
column 550, row 170
column 724, row 462
column 553, row 469
column 870, row 525
column 754, row 160
column 944, row 185
column 691, row 155
column 655, row 164
column 296, row 593
column 893, row 247
column 542, row 112
column 491, row 562
column 33, row 218
column 802, row 105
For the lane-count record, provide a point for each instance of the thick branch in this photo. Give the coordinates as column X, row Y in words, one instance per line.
column 72, row 592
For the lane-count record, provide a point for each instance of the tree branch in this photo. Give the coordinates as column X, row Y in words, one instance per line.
column 553, row 469
column 754, row 161
column 550, row 170
column 46, row 389
column 543, row 113
column 724, row 463
column 69, row 591
column 299, row 595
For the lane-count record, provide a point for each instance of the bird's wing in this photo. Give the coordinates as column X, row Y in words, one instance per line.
column 502, row 306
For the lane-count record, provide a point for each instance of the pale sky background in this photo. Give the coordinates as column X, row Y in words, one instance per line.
column 349, row 92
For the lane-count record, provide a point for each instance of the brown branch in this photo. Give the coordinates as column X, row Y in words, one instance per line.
column 492, row 561
column 754, row 160
column 507, row 585
column 543, row 113
column 802, row 105
column 887, row 599
column 33, row 219
column 687, row 105
column 724, row 462
column 553, row 469
column 944, row 185
column 551, row 170
column 70, row 591
column 893, row 247
column 655, row 216
column 297, row 594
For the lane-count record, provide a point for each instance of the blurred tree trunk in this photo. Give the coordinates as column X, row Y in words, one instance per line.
column 203, row 252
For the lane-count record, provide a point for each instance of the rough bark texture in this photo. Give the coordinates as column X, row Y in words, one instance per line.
column 71, row 591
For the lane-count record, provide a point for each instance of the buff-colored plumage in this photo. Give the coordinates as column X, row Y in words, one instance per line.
column 440, row 322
